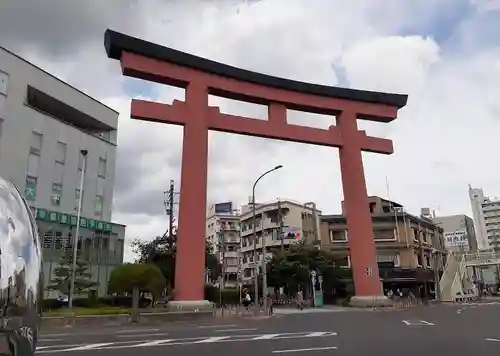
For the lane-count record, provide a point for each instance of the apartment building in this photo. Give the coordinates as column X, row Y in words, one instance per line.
column 44, row 125
column 300, row 220
column 486, row 213
column 459, row 234
column 223, row 233
column 410, row 250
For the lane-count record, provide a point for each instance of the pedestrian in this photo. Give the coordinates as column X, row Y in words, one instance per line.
column 270, row 303
column 247, row 300
column 300, row 300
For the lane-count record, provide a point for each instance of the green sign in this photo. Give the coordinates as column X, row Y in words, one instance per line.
column 30, row 189
column 69, row 219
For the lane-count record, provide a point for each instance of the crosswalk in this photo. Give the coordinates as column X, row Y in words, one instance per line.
column 55, row 348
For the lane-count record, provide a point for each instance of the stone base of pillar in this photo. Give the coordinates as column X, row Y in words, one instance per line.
column 370, row 301
column 190, row 305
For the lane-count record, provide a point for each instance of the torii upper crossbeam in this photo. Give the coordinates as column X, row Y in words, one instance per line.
column 201, row 77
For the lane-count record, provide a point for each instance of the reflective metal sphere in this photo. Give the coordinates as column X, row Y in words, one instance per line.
column 21, row 279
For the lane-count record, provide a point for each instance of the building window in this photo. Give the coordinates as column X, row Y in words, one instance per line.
column 98, row 205
column 4, row 82
column 61, row 152
column 30, row 188
column 77, row 198
column 36, row 143
column 55, row 197
column 101, row 169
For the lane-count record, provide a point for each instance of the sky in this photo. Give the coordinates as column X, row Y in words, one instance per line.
column 445, row 54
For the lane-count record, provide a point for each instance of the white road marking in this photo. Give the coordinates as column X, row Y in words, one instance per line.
column 233, row 330
column 302, row 350
column 142, row 335
column 417, row 323
column 135, row 331
column 89, row 347
column 217, row 326
column 153, row 343
column 47, row 340
column 54, row 335
column 212, row 339
column 266, row 337
column 491, row 339
column 316, row 334
column 185, row 341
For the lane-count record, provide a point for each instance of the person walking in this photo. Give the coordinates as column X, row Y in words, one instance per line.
column 300, row 300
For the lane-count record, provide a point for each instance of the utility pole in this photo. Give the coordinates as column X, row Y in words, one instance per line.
column 280, row 227
column 170, row 209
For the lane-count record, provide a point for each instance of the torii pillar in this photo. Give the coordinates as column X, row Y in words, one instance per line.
column 201, row 77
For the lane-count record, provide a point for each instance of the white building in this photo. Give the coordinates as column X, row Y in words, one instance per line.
column 486, row 213
column 459, row 234
column 44, row 125
column 223, row 234
column 301, row 220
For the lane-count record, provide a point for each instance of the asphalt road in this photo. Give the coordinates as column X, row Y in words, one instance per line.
column 455, row 330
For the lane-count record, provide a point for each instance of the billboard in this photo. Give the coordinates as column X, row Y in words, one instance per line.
column 456, row 238
column 221, row 208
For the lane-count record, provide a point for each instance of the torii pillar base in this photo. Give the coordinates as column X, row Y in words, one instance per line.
column 190, row 305
column 370, row 301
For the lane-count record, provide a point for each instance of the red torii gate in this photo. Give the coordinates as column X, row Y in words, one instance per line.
column 201, row 77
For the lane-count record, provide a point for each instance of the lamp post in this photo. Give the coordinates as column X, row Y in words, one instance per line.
column 264, row 275
column 77, row 232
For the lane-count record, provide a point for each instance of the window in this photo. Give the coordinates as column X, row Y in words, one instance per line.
column 61, row 152
column 30, row 188
column 100, row 186
column 77, row 198
column 33, row 164
column 98, row 205
column 4, row 82
column 36, row 143
column 101, row 169
column 55, row 197
column 58, row 172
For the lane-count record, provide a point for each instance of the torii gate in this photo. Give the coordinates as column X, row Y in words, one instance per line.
column 201, row 77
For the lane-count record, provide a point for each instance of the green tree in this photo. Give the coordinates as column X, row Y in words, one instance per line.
column 147, row 277
column 62, row 276
column 161, row 252
column 292, row 268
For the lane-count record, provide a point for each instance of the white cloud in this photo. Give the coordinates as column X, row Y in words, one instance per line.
column 444, row 138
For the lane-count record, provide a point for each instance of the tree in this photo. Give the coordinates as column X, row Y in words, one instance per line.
column 292, row 268
column 161, row 252
column 62, row 276
column 147, row 277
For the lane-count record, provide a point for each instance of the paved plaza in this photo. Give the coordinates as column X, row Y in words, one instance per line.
column 458, row 329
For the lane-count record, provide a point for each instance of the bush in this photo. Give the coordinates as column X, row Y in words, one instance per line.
column 229, row 296
column 110, row 301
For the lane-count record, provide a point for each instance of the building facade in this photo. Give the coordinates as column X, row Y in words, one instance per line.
column 299, row 220
column 223, row 233
column 410, row 249
column 486, row 213
column 459, row 234
column 44, row 125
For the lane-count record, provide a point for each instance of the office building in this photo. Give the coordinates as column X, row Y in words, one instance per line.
column 486, row 214
column 410, row 249
column 459, row 234
column 44, row 125
column 223, row 234
column 300, row 221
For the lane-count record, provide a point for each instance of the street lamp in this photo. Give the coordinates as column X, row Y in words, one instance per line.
column 264, row 276
column 77, row 232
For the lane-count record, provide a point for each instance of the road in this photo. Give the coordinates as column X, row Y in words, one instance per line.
column 455, row 330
